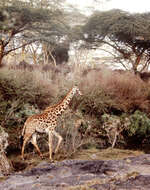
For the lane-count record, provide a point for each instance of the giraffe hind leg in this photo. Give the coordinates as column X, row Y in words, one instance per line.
column 34, row 142
column 26, row 139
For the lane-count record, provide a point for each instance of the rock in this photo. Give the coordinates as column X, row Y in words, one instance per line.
column 5, row 165
column 82, row 174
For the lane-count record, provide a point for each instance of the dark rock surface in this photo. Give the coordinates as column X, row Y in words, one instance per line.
column 131, row 173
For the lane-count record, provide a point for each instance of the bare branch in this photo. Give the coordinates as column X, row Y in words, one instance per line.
column 13, row 49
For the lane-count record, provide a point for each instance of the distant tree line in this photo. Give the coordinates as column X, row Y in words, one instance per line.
column 53, row 26
column 128, row 34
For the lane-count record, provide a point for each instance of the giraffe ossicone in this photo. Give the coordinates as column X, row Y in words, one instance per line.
column 46, row 122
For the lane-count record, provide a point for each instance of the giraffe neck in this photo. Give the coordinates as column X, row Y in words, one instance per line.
column 64, row 104
column 59, row 108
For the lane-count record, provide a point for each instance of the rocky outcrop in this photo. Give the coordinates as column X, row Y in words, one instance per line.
column 130, row 173
column 5, row 164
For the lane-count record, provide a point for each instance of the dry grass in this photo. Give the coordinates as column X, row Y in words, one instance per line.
column 105, row 154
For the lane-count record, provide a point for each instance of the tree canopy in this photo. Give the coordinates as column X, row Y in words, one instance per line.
column 22, row 24
column 128, row 34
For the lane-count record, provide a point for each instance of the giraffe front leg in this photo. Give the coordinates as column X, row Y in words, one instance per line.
column 50, row 135
column 59, row 141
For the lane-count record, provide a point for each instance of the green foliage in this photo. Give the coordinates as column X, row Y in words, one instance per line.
column 131, row 129
column 118, row 25
column 95, row 102
column 20, row 15
column 140, row 124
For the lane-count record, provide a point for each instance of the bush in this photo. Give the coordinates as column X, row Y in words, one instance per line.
column 140, row 125
column 107, row 91
column 128, row 91
column 138, row 131
column 29, row 87
column 96, row 102
column 23, row 93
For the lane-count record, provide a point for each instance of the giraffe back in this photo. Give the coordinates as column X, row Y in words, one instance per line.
column 39, row 123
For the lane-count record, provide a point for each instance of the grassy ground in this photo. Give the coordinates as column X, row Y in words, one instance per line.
column 106, row 154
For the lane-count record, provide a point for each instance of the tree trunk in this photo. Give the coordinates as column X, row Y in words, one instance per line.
column 23, row 54
column 1, row 57
column 1, row 51
column 136, row 64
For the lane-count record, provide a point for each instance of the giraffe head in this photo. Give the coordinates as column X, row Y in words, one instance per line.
column 75, row 90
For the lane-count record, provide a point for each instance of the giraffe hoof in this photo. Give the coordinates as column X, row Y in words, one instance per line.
column 41, row 156
column 51, row 160
column 22, row 158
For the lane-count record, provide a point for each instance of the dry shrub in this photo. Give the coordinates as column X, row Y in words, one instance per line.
column 106, row 90
column 69, row 127
column 96, row 100
column 128, row 91
column 30, row 87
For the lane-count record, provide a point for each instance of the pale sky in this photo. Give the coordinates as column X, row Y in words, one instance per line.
column 133, row 6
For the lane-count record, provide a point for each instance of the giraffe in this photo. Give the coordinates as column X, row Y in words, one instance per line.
column 46, row 122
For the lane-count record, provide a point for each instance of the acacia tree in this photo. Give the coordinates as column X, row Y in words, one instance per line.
column 22, row 24
column 128, row 34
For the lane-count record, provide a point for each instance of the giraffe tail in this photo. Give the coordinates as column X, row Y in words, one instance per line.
column 21, row 141
column 23, row 130
column 21, row 137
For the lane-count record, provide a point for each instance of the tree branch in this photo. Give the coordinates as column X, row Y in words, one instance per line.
column 13, row 49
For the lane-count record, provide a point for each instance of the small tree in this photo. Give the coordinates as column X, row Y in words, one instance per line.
column 128, row 34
